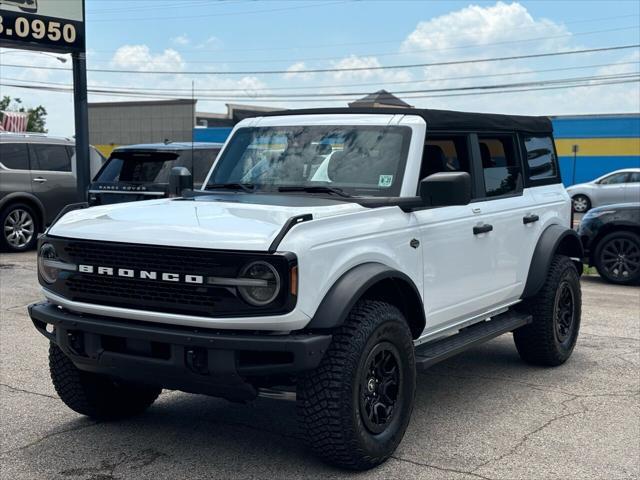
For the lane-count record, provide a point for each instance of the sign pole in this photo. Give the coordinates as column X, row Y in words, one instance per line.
column 82, row 123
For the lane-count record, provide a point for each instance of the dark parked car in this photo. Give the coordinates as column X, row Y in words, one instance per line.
column 141, row 172
column 611, row 239
column 37, row 180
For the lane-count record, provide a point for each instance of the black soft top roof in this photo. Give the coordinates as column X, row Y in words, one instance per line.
column 443, row 119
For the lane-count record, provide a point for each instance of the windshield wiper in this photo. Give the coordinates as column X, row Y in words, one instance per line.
column 247, row 187
column 315, row 189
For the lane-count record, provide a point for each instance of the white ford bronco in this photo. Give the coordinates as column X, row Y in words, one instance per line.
column 330, row 255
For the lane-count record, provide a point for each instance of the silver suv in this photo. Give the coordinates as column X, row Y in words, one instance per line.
column 37, row 180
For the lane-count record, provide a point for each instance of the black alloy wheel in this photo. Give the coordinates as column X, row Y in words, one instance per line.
column 564, row 312
column 380, row 387
column 618, row 258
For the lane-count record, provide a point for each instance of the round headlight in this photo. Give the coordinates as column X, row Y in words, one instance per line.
column 265, row 287
column 46, row 261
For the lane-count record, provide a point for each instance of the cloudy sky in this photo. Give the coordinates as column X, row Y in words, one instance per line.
column 292, row 37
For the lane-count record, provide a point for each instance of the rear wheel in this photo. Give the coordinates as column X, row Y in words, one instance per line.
column 94, row 395
column 550, row 338
column 355, row 407
column 617, row 258
column 19, row 228
column 581, row 203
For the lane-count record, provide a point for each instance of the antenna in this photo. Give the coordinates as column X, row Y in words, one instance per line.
column 193, row 122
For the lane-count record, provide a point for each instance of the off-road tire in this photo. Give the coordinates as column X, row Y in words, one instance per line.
column 330, row 397
column 629, row 242
column 540, row 342
column 5, row 245
column 94, row 395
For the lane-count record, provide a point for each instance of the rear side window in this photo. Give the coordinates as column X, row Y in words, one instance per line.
column 615, row 178
column 14, row 156
column 54, row 158
column 541, row 157
column 502, row 172
column 153, row 167
column 634, row 177
column 202, row 162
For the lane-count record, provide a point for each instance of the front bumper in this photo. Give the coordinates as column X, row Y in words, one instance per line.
column 193, row 360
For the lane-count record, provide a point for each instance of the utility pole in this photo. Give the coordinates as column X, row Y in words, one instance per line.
column 575, row 149
column 81, row 110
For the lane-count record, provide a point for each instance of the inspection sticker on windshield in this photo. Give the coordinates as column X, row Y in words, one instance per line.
column 385, row 180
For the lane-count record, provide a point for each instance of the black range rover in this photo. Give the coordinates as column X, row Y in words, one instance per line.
column 141, row 172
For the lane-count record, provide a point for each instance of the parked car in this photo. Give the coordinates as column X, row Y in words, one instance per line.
column 430, row 235
column 141, row 172
column 616, row 187
column 37, row 180
column 611, row 239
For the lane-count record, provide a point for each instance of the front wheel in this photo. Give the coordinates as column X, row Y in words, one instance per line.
column 19, row 228
column 581, row 203
column 550, row 338
column 355, row 407
column 617, row 258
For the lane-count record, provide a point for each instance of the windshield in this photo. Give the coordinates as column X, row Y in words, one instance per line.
column 359, row 160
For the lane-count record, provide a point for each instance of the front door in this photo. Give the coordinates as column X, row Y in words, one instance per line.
column 632, row 188
column 52, row 178
column 612, row 189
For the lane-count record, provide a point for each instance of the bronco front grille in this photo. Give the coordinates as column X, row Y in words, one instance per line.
column 164, row 296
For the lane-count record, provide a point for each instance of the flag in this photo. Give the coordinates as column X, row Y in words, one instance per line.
column 15, row 121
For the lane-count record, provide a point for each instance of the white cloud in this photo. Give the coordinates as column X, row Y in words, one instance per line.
column 140, row 57
column 368, row 69
column 476, row 25
column 293, row 72
column 181, row 40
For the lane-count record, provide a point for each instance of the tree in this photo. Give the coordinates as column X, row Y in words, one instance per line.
column 37, row 116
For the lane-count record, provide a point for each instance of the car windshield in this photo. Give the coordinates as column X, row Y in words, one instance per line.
column 355, row 160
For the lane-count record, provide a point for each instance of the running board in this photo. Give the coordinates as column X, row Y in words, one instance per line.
column 429, row 354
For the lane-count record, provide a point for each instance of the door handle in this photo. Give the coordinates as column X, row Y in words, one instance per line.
column 39, row 180
column 477, row 230
column 530, row 218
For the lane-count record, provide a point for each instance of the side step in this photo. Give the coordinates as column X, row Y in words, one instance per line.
column 431, row 353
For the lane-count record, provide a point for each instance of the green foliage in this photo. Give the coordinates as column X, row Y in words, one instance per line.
column 37, row 115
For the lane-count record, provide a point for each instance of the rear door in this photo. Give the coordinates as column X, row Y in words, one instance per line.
column 14, row 168
column 611, row 189
column 632, row 188
column 52, row 177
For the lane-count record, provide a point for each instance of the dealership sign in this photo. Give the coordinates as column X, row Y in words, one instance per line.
column 46, row 25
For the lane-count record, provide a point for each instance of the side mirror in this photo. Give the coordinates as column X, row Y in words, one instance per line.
column 180, row 179
column 446, row 188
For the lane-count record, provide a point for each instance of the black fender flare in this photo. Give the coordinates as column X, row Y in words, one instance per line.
column 356, row 282
column 16, row 197
column 555, row 239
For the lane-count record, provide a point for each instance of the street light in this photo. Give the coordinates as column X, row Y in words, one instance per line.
column 60, row 59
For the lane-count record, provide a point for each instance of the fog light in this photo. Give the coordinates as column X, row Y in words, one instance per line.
column 266, row 287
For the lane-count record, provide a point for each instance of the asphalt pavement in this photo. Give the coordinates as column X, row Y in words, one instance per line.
column 481, row 415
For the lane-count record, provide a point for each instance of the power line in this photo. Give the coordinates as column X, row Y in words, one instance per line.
column 319, row 87
column 335, row 70
column 227, row 14
column 522, row 86
column 410, row 52
column 380, row 42
column 593, row 84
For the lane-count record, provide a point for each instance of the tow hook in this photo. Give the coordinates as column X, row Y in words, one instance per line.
column 196, row 360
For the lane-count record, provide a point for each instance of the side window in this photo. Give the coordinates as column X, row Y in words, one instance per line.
column 615, row 178
column 502, row 172
column 202, row 162
column 634, row 177
column 541, row 157
column 14, row 156
column 445, row 154
column 53, row 158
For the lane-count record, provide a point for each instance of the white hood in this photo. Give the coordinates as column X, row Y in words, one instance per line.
column 188, row 223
